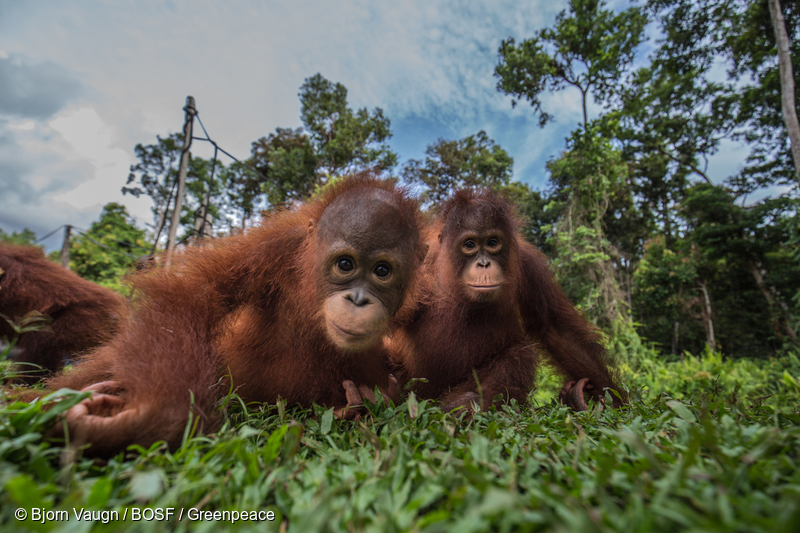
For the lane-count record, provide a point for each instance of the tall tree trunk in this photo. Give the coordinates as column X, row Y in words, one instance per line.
column 628, row 283
column 709, row 323
column 676, row 332
column 202, row 220
column 787, row 82
column 585, row 116
column 667, row 223
column 162, row 220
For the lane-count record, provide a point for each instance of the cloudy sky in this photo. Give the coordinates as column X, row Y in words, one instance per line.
column 81, row 83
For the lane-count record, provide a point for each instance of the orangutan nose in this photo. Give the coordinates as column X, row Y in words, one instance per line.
column 358, row 297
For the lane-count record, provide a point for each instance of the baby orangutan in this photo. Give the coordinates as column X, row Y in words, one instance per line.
column 294, row 309
column 82, row 314
column 486, row 300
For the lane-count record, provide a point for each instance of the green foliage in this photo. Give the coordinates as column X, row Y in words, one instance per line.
column 696, row 457
column 31, row 321
column 25, row 236
column 343, row 139
column 242, row 185
column 534, row 212
column 589, row 48
column 664, row 292
column 287, row 159
column 695, row 112
column 204, row 197
column 469, row 162
column 748, row 381
column 749, row 378
column 744, row 254
column 639, row 173
column 156, row 174
column 110, row 248
column 744, row 258
column 584, row 176
column 673, row 112
column 748, row 40
column 335, row 140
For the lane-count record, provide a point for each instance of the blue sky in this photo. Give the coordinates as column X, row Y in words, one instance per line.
column 81, row 83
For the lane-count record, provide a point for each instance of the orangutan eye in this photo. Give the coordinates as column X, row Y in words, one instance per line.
column 492, row 243
column 382, row 270
column 470, row 245
column 345, row 264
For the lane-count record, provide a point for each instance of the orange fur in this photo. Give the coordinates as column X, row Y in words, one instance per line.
column 83, row 313
column 446, row 337
column 243, row 309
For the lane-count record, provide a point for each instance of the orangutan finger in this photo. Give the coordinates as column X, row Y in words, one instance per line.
column 575, row 396
column 105, row 387
column 562, row 396
column 352, row 393
column 393, row 392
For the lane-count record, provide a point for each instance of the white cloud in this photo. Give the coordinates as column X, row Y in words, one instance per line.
column 26, row 125
column 91, row 140
column 62, row 172
column 244, row 61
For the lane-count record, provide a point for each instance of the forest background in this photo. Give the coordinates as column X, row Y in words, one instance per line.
column 696, row 283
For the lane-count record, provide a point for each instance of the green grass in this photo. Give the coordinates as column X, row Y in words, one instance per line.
column 715, row 453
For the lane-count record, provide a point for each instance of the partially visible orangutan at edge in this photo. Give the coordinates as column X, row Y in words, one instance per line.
column 486, row 304
column 81, row 314
column 296, row 308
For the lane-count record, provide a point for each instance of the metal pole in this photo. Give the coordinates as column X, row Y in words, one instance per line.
column 188, row 125
column 65, row 247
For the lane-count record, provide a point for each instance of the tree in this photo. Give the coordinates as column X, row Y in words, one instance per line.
column 788, row 106
column 671, row 116
column 110, row 249
column 664, row 292
column 748, row 38
column 743, row 33
column 155, row 175
column 535, row 212
column 289, row 163
column 204, row 196
column 716, row 268
column 25, row 236
column 343, row 140
column 745, row 239
column 722, row 282
column 475, row 160
column 242, row 196
column 589, row 48
column 334, row 141
column 585, row 175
